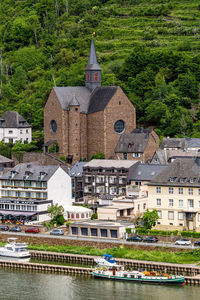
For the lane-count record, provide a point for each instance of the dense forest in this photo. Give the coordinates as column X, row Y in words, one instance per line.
column 148, row 47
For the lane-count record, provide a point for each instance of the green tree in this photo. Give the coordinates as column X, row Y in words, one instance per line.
column 149, row 218
column 55, row 210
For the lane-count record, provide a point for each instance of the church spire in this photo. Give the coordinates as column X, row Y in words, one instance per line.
column 92, row 70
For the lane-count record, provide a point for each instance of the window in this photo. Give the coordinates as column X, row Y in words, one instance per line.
column 138, row 207
column 93, row 232
column 18, row 207
column 53, row 126
column 144, row 206
column 74, row 230
column 6, row 206
column 128, row 212
column 199, row 217
column 158, row 189
column 190, row 203
column 199, row 191
column 136, row 154
column 26, row 130
column 180, row 215
column 171, row 202
column 119, row 126
column 121, row 212
column 159, row 214
column 96, row 77
column 87, row 76
column 125, row 155
column 10, row 131
column 12, row 207
column 103, row 232
column 38, row 195
column 180, row 203
column 171, row 190
column 113, row 233
column 180, row 191
column 170, row 215
column 84, row 231
column 21, row 131
column 190, row 191
column 158, row 202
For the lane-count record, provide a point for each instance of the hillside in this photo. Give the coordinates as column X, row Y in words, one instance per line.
column 148, row 47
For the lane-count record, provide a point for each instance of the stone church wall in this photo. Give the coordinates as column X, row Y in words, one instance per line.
column 95, row 133
column 119, row 108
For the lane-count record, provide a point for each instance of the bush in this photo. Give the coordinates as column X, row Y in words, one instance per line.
column 67, row 223
column 94, row 216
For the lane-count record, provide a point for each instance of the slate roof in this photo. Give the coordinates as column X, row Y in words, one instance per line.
column 145, row 172
column 173, row 143
column 100, row 97
column 180, row 173
column 66, row 94
column 132, row 142
column 92, row 60
column 34, row 171
column 12, row 119
column 77, row 169
column 4, row 159
column 165, row 156
column 192, row 143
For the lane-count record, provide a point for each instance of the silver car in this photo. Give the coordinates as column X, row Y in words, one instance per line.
column 183, row 242
column 57, row 231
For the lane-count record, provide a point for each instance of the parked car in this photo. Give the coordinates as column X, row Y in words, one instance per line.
column 183, row 242
column 4, row 228
column 32, row 230
column 15, row 229
column 134, row 238
column 57, row 231
column 150, row 239
column 197, row 243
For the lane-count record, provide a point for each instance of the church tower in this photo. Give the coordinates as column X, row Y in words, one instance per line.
column 92, row 70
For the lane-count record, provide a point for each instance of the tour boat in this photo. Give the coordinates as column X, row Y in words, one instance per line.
column 117, row 272
column 14, row 250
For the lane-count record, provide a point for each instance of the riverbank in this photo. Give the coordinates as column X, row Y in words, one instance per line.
column 164, row 255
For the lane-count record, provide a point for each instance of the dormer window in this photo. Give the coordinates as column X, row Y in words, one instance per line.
column 27, row 174
column 12, row 174
column 42, row 175
column 182, row 180
column 172, row 179
column 192, row 180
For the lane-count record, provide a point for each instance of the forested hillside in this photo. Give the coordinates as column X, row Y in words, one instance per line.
column 148, row 47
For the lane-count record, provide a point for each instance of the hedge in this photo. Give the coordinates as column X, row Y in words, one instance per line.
column 144, row 231
column 190, row 234
column 156, row 232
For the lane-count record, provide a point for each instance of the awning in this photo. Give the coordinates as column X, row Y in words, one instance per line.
column 17, row 213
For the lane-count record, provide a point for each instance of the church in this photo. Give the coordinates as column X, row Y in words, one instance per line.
column 86, row 120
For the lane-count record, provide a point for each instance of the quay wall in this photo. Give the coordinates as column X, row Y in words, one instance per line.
column 66, row 269
column 129, row 263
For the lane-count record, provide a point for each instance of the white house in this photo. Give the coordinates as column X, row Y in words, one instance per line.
column 27, row 190
column 13, row 127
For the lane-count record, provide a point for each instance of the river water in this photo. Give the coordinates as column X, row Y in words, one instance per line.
column 22, row 285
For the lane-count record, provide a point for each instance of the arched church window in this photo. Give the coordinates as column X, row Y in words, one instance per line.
column 53, row 126
column 119, row 126
column 96, row 77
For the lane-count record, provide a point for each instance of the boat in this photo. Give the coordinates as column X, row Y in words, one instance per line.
column 15, row 250
column 117, row 272
column 106, row 260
